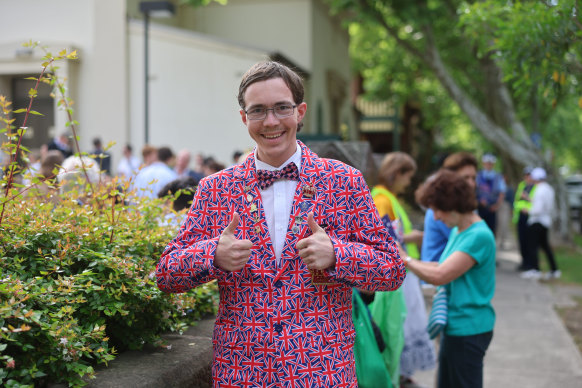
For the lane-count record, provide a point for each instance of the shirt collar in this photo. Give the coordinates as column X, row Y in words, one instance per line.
column 295, row 158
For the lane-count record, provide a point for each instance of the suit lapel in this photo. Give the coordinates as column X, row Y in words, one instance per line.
column 308, row 196
column 252, row 216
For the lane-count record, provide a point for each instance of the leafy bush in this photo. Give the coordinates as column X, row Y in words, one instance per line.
column 77, row 278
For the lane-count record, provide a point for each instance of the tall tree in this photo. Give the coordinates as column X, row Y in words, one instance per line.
column 445, row 39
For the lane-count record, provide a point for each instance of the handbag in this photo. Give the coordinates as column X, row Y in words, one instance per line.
column 437, row 320
column 370, row 367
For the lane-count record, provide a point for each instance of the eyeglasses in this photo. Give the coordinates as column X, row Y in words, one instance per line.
column 280, row 111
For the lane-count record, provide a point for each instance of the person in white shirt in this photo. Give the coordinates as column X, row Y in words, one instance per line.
column 129, row 164
column 539, row 223
column 158, row 171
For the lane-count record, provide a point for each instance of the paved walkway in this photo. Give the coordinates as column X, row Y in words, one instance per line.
column 531, row 347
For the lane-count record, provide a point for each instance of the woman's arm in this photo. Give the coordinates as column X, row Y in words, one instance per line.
column 441, row 273
column 414, row 237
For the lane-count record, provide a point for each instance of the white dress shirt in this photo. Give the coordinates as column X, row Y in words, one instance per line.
column 277, row 202
column 542, row 205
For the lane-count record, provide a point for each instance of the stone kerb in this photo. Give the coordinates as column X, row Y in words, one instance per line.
column 185, row 362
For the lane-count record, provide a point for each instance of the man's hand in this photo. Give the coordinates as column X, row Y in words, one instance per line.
column 316, row 250
column 232, row 254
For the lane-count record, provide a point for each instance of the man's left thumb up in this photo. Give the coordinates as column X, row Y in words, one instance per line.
column 313, row 225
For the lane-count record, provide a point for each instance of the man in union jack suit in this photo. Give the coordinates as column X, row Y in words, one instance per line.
column 287, row 235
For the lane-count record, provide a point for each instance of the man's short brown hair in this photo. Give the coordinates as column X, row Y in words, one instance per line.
column 266, row 70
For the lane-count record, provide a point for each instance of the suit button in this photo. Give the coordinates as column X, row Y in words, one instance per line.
column 278, row 327
column 278, row 284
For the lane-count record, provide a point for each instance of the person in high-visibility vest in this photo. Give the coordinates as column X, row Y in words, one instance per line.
column 521, row 206
column 417, row 350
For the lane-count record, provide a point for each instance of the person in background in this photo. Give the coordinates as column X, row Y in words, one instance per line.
column 490, row 191
column 436, row 233
column 33, row 166
column 199, row 163
column 287, row 235
column 157, row 172
column 417, row 353
column 48, row 172
column 62, row 143
column 181, row 192
column 182, row 167
column 539, row 222
column 76, row 174
column 129, row 164
column 467, row 271
column 211, row 166
column 236, row 156
column 102, row 157
column 521, row 206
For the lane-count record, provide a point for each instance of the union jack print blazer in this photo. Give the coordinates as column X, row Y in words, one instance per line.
column 275, row 327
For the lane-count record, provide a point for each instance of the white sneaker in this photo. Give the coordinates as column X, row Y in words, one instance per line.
column 552, row 275
column 531, row 274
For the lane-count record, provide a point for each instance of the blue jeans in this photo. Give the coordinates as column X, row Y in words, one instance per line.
column 461, row 360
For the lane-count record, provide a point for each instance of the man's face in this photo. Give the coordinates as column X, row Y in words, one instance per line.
column 182, row 160
column 469, row 174
column 488, row 165
column 276, row 138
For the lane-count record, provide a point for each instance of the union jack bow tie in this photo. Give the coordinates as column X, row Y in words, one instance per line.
column 266, row 178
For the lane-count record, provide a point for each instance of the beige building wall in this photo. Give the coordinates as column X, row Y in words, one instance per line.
column 193, row 87
column 331, row 72
column 96, row 82
column 196, row 60
column 274, row 26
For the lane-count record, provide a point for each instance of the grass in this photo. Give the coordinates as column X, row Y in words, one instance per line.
column 569, row 260
column 572, row 318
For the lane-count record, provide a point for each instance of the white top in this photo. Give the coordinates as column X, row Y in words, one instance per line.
column 151, row 179
column 277, row 202
column 542, row 205
column 128, row 167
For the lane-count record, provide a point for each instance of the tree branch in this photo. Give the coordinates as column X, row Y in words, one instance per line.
column 379, row 18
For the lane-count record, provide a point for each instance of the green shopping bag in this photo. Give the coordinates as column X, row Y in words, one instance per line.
column 370, row 367
column 389, row 312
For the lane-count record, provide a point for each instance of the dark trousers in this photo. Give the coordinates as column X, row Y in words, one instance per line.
column 461, row 360
column 489, row 217
column 522, row 240
column 537, row 237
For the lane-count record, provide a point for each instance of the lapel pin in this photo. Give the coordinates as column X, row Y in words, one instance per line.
column 304, row 206
column 295, row 229
column 253, row 208
column 309, row 190
column 249, row 197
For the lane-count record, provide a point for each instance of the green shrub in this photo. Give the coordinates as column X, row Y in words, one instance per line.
column 77, row 281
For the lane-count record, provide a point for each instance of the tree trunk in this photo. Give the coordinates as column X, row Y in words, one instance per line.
column 520, row 149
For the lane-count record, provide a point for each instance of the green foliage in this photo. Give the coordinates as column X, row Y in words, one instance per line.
column 537, row 44
column 534, row 44
column 71, row 296
column 77, row 281
column 390, row 72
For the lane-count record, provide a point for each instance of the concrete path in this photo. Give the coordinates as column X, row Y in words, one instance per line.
column 531, row 347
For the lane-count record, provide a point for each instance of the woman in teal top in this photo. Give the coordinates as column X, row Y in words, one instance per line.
column 467, row 270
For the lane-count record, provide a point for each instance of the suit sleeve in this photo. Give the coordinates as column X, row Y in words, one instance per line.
column 366, row 255
column 188, row 260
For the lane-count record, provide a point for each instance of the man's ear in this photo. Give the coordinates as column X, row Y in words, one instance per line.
column 243, row 116
column 301, row 110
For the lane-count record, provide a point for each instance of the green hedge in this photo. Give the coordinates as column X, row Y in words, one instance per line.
column 77, row 285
